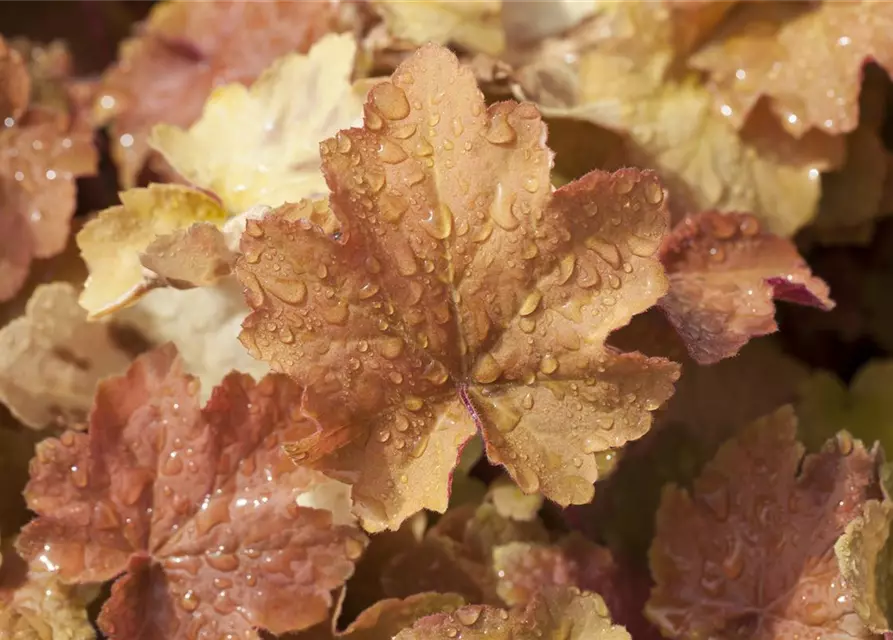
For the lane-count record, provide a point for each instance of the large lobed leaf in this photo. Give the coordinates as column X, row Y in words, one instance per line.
column 750, row 551
column 460, row 293
column 212, row 530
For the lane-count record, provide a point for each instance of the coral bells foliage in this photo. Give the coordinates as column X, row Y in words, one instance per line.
column 460, row 293
column 749, row 553
column 42, row 150
column 724, row 272
column 210, row 527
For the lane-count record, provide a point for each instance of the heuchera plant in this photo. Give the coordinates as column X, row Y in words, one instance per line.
column 347, row 359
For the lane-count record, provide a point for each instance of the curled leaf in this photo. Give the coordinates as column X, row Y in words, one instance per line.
column 112, row 243
column 807, row 59
column 261, row 145
column 565, row 613
column 15, row 84
column 709, row 558
column 865, row 563
column 724, row 273
column 460, row 294
column 197, row 508
column 185, row 49
column 51, row 359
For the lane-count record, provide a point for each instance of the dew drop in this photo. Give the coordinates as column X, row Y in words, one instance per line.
column 527, row 401
column 566, row 268
column 530, row 303
column 749, row 226
column 607, row 251
column 403, row 132
column 391, row 152
column 531, row 184
column 78, row 476
column 172, row 465
column 373, row 120
column 624, row 183
column 390, row 100
column 392, row 206
column 500, row 131
column 423, row 149
column 486, row 370
column 391, row 347
column 439, row 222
column 653, row 193
column 413, row 403
column 189, row 601
column 527, row 480
column 501, row 210
column 549, row 364
column 223, row 561
column 468, row 615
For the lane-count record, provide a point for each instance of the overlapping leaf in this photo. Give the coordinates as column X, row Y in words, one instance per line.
column 113, row 242
column 640, row 87
column 41, row 154
column 461, row 293
column 749, row 552
column 724, row 272
column 564, row 613
column 806, row 58
column 213, row 529
column 260, row 146
column 184, row 50
column 52, row 359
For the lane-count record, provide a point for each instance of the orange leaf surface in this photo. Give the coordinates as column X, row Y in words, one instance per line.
column 750, row 551
column 211, row 526
column 724, row 272
column 41, row 154
column 807, row 58
column 184, row 50
column 461, row 293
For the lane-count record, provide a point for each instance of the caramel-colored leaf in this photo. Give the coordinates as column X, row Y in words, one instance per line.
column 197, row 508
column 197, row 256
column 184, row 50
column 112, row 243
column 724, row 273
column 863, row 552
column 261, row 145
column 559, row 613
column 461, row 294
column 806, row 58
column 51, row 359
column 749, row 552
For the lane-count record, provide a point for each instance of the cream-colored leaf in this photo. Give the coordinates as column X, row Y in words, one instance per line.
column 261, row 145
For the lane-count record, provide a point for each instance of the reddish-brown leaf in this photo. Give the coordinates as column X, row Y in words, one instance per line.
column 42, row 150
column 724, row 272
column 461, row 293
column 184, row 50
column 196, row 507
column 750, row 551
